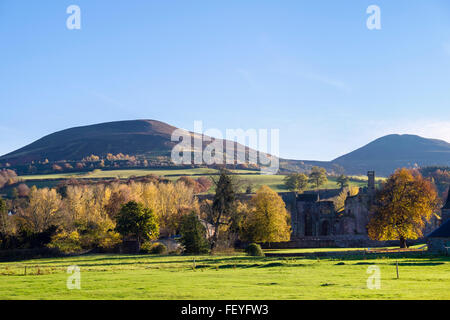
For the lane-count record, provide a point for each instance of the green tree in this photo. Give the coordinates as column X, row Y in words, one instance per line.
column 318, row 177
column 224, row 203
column 137, row 221
column 406, row 202
column 296, row 182
column 193, row 235
column 343, row 181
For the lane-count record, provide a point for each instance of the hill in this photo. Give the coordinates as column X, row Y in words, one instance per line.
column 127, row 137
column 149, row 139
column 145, row 139
column 388, row 153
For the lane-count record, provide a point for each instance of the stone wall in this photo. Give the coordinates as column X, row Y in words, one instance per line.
column 336, row 242
column 439, row 245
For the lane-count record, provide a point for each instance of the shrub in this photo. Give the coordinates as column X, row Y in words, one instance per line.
column 254, row 250
column 176, row 252
column 153, row 248
column 98, row 235
column 30, row 240
column 146, row 247
column 109, row 241
column 66, row 243
column 158, row 248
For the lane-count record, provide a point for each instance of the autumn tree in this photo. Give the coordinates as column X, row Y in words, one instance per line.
column 119, row 195
column 200, row 185
column 204, row 183
column 137, row 221
column 343, row 181
column 174, row 201
column 68, row 166
column 89, row 205
column 7, row 177
column 296, row 182
column 318, row 177
column 85, row 217
column 23, row 190
column 79, row 165
column 339, row 201
column 268, row 219
column 403, row 206
column 43, row 210
column 56, row 167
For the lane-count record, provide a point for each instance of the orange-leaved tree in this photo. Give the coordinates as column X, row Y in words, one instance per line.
column 402, row 207
column 268, row 219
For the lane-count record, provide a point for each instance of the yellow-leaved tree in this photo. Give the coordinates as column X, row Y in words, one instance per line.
column 403, row 206
column 268, row 219
column 339, row 201
column 43, row 210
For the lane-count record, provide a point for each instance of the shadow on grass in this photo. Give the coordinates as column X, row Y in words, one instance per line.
column 249, row 265
column 224, row 262
column 121, row 260
column 419, row 264
column 387, row 257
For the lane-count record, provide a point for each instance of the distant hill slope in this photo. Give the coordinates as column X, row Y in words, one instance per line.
column 146, row 138
column 127, row 137
column 388, row 153
column 152, row 138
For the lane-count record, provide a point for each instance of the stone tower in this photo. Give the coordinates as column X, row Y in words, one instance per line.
column 371, row 182
column 446, row 209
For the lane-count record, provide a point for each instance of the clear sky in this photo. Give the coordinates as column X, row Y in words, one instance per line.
column 310, row 68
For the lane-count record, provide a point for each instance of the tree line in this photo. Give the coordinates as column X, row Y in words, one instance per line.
column 82, row 217
column 298, row 182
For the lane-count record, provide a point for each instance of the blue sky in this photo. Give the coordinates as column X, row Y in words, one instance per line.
column 309, row 68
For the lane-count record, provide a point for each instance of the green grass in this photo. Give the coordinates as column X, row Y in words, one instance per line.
column 224, row 277
column 248, row 176
column 101, row 174
column 365, row 178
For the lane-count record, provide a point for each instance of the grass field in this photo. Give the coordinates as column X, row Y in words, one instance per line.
column 101, row 174
column 247, row 176
column 225, row 277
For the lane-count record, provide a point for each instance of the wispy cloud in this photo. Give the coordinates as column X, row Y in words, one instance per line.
column 328, row 81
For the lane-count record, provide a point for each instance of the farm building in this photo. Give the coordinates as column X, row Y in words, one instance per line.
column 446, row 209
column 439, row 240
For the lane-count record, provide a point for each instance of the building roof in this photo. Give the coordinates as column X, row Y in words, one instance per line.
column 447, row 204
column 442, row 232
